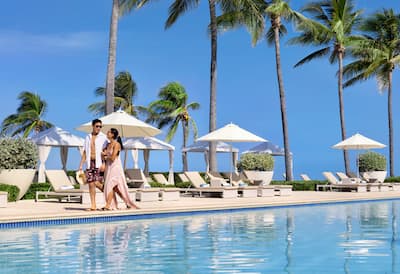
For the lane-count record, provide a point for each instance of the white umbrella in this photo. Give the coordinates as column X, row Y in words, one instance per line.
column 203, row 147
column 54, row 137
column 231, row 133
column 127, row 125
column 270, row 148
column 358, row 142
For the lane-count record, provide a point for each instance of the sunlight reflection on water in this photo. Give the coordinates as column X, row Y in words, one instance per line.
column 339, row 238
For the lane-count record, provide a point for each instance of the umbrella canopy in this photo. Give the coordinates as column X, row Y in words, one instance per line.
column 54, row 137
column 127, row 125
column 231, row 133
column 146, row 144
column 358, row 141
column 57, row 137
column 204, row 147
column 267, row 148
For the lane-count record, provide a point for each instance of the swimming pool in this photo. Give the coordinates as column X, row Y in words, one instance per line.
column 337, row 238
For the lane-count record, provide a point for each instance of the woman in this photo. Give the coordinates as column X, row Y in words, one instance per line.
column 114, row 176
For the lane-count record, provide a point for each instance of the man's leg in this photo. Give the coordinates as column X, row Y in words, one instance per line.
column 92, row 193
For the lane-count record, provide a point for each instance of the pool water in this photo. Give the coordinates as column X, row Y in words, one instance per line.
column 336, row 238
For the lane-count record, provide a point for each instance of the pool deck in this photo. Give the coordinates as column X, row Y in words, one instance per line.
column 51, row 209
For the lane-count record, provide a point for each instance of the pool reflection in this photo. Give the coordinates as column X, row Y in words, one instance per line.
column 340, row 238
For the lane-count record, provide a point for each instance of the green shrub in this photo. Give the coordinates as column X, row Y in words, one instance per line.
column 301, row 185
column 372, row 161
column 259, row 162
column 182, row 184
column 17, row 153
column 395, row 179
column 13, row 191
column 31, row 193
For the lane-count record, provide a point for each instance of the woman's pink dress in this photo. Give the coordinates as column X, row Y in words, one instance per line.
column 115, row 177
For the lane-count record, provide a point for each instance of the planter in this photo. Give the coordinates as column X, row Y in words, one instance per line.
column 22, row 178
column 378, row 175
column 259, row 177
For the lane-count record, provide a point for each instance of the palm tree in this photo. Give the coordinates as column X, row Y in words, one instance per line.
column 178, row 8
column 29, row 116
column 124, row 92
column 253, row 17
column 171, row 110
column 119, row 7
column 377, row 56
column 334, row 22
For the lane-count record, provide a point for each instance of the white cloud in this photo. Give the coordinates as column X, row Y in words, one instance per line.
column 23, row 42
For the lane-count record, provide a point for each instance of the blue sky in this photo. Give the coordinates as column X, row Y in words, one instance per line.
column 58, row 49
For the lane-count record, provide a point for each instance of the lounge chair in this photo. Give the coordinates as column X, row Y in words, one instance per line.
column 160, row 178
column 135, row 178
column 183, row 177
column 305, row 177
column 376, row 185
column 263, row 180
column 64, row 189
column 239, row 180
column 346, row 184
column 146, row 193
column 201, row 187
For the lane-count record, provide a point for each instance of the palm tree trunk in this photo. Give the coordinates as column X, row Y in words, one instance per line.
column 185, row 129
column 213, row 83
column 391, row 145
column 288, row 166
column 341, row 108
column 112, row 48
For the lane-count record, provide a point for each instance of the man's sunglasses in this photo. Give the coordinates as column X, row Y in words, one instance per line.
column 98, row 126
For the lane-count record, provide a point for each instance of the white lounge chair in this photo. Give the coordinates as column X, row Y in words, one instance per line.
column 202, row 188
column 64, row 189
column 305, row 177
column 346, row 184
column 263, row 181
column 160, row 178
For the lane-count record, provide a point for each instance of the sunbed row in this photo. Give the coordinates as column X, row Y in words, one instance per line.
column 346, row 183
column 63, row 188
column 220, row 187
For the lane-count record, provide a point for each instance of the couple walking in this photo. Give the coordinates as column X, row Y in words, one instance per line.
column 101, row 155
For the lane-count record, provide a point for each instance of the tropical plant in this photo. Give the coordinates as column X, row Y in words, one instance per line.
column 18, row 153
column 333, row 24
column 377, row 55
column 371, row 161
column 253, row 161
column 171, row 110
column 124, row 93
column 29, row 116
column 252, row 16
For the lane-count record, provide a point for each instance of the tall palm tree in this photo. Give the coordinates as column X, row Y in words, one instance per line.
column 29, row 116
column 177, row 9
column 119, row 7
column 124, row 92
column 253, row 17
column 377, row 55
column 334, row 23
column 172, row 109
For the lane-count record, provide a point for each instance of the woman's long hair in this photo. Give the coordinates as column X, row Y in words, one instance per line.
column 116, row 136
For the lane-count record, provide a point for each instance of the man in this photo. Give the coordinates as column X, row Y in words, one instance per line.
column 95, row 142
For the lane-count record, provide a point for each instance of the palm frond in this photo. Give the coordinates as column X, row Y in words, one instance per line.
column 317, row 54
column 178, row 8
